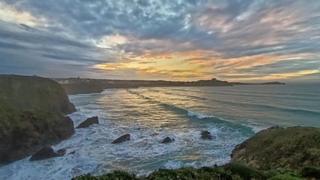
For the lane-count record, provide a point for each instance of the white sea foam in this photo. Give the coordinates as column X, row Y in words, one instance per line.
column 197, row 115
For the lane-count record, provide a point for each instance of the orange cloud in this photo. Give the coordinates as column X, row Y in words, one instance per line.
column 197, row 64
column 178, row 65
column 274, row 76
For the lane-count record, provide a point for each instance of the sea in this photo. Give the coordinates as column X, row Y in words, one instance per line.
column 231, row 114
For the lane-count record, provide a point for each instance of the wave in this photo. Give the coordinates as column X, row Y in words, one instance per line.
column 271, row 107
column 251, row 92
column 266, row 106
column 198, row 116
column 208, row 118
column 175, row 94
column 296, row 96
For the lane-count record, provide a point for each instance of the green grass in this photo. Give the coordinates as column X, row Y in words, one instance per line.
column 288, row 148
column 227, row 172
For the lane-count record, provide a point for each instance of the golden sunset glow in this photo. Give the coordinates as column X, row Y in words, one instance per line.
column 204, row 64
column 179, row 65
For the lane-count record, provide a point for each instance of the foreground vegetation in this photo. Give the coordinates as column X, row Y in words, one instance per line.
column 228, row 172
column 289, row 148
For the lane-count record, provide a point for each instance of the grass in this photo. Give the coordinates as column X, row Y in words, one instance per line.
column 230, row 171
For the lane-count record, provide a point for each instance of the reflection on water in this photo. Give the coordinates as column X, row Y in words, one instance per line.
column 231, row 114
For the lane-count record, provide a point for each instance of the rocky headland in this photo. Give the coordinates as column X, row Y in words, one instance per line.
column 32, row 115
column 288, row 148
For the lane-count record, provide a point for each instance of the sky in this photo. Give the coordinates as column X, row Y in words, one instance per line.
column 235, row 40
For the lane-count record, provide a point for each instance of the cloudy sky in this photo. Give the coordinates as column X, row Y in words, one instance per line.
column 236, row 40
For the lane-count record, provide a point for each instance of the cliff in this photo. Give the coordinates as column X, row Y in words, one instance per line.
column 32, row 114
column 288, row 148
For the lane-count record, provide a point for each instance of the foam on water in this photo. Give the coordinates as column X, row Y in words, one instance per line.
column 90, row 150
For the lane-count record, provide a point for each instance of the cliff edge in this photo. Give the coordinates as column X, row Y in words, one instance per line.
column 291, row 148
column 32, row 115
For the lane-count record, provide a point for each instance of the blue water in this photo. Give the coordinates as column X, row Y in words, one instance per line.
column 231, row 114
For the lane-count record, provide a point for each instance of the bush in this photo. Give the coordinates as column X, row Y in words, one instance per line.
column 311, row 172
column 116, row 175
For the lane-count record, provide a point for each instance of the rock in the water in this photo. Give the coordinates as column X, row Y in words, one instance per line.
column 167, row 140
column 61, row 152
column 206, row 135
column 155, row 134
column 89, row 122
column 46, row 153
column 122, row 139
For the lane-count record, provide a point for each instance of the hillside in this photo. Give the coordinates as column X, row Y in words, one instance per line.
column 289, row 148
column 32, row 114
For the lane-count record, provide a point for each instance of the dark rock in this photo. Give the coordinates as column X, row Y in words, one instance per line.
column 61, row 152
column 167, row 140
column 206, row 135
column 66, row 129
column 121, row 139
column 72, row 152
column 89, row 122
column 46, row 153
column 155, row 134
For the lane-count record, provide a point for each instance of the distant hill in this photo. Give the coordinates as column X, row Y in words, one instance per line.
column 83, row 86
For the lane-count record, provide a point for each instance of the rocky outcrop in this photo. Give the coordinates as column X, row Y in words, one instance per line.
column 46, row 153
column 167, row 140
column 122, row 139
column 89, row 122
column 32, row 115
column 287, row 148
column 206, row 135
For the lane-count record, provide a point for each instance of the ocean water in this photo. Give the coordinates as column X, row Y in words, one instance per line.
column 231, row 114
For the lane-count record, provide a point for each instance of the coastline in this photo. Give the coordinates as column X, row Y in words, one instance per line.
column 90, row 149
column 85, row 86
